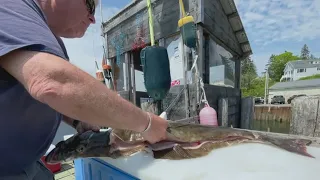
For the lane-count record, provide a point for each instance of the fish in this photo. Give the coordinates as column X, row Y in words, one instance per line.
column 184, row 141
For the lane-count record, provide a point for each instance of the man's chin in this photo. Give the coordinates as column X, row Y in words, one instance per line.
column 72, row 35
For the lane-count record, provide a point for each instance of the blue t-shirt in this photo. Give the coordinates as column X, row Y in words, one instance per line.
column 27, row 126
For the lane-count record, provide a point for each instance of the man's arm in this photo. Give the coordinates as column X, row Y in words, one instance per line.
column 73, row 92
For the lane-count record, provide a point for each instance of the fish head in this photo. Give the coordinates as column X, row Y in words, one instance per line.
column 61, row 153
column 87, row 144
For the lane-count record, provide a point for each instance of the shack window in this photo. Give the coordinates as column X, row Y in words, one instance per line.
column 221, row 66
column 118, row 73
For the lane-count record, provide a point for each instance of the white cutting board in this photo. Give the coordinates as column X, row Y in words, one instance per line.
column 239, row 162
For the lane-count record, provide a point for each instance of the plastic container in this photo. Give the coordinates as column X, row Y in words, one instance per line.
column 208, row 116
column 96, row 169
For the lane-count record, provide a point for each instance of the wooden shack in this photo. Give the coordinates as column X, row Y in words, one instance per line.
column 222, row 44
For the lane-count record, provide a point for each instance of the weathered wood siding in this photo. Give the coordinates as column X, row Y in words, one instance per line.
column 217, row 24
column 166, row 15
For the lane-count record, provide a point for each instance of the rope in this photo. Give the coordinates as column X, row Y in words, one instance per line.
column 150, row 22
column 182, row 8
column 203, row 97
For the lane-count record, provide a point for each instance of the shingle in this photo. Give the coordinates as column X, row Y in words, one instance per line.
column 296, row 84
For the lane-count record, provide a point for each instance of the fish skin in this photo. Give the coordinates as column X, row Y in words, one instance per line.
column 179, row 144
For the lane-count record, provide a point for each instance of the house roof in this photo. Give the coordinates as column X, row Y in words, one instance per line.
column 301, row 64
column 296, row 84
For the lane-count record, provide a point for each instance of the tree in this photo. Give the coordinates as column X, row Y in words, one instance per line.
column 305, row 53
column 271, row 59
column 278, row 63
column 248, row 73
column 312, row 57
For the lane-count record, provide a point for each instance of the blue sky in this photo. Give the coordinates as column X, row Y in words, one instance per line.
column 272, row 26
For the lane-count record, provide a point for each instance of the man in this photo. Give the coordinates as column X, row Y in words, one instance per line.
column 38, row 85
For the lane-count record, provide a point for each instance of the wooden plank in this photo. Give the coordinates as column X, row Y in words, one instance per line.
column 133, row 81
column 247, row 112
column 223, row 113
column 237, row 74
column 126, row 71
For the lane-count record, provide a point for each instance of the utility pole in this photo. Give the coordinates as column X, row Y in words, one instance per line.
column 266, row 86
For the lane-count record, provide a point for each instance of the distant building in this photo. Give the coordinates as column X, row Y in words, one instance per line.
column 288, row 89
column 295, row 70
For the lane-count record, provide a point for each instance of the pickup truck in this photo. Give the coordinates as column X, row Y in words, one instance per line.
column 278, row 100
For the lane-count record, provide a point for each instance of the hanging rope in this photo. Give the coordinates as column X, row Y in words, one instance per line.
column 182, row 8
column 150, row 22
column 203, row 97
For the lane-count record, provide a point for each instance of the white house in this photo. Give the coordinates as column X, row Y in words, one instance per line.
column 288, row 89
column 295, row 70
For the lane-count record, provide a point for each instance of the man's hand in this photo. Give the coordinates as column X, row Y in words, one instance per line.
column 83, row 127
column 157, row 131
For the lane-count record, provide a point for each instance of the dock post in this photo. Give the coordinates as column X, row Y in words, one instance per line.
column 247, row 112
column 305, row 116
column 223, row 112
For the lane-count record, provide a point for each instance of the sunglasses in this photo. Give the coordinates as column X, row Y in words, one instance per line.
column 91, row 5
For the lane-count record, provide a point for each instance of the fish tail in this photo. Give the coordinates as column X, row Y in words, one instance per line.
column 298, row 146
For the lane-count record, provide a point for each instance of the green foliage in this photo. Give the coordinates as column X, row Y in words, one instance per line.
column 316, row 76
column 251, row 84
column 278, row 63
column 257, row 87
column 248, row 72
column 305, row 53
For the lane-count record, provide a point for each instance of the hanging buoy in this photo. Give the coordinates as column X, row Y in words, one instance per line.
column 156, row 65
column 156, row 71
column 208, row 116
column 187, row 28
